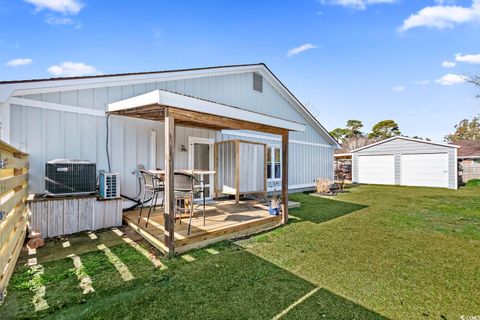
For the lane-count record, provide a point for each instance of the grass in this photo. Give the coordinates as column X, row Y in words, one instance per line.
column 233, row 282
column 376, row 252
column 407, row 253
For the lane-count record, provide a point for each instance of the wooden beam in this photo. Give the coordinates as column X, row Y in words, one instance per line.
column 220, row 121
column 196, row 119
column 197, row 125
column 237, row 171
column 215, row 167
column 265, row 181
column 285, row 178
column 144, row 109
column 169, row 212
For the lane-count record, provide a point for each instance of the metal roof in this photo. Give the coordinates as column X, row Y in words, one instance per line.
column 408, row 139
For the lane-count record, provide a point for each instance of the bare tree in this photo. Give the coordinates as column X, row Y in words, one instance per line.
column 312, row 109
column 475, row 80
column 354, row 143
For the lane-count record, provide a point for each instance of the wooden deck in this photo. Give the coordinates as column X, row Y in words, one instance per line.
column 224, row 220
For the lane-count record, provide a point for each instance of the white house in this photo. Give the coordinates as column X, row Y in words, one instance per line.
column 66, row 118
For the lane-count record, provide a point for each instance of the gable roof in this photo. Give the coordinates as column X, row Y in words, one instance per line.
column 468, row 148
column 32, row 86
column 407, row 139
column 124, row 74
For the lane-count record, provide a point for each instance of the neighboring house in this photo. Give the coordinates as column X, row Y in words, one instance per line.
column 469, row 160
column 66, row 118
column 406, row 161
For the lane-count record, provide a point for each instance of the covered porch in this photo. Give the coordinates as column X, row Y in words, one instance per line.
column 224, row 219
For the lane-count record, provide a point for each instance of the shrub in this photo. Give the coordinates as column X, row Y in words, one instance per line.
column 474, row 182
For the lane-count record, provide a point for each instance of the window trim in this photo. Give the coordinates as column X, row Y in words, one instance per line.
column 272, row 148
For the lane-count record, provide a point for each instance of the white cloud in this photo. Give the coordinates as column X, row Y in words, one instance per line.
column 448, row 64
column 450, row 79
column 468, row 58
column 300, row 49
column 61, row 6
column 56, row 21
column 19, row 62
column 443, row 16
column 421, row 82
column 442, row 2
column 61, row 21
column 72, row 69
column 356, row 4
column 157, row 36
column 398, row 88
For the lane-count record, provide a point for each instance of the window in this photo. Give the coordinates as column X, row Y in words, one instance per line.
column 257, row 82
column 278, row 164
column 274, row 163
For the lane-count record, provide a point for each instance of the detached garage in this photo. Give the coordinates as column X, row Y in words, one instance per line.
column 406, row 161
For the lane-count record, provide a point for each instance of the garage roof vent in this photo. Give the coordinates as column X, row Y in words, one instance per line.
column 257, row 82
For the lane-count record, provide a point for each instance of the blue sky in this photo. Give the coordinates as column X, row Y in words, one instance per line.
column 349, row 59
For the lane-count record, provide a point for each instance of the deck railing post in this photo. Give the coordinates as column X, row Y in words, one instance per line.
column 169, row 210
column 285, row 177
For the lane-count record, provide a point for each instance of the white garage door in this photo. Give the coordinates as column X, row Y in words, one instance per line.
column 425, row 170
column 376, row 169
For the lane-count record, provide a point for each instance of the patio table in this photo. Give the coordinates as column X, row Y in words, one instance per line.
column 200, row 173
column 160, row 172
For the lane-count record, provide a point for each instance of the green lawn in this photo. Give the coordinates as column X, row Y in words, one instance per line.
column 373, row 253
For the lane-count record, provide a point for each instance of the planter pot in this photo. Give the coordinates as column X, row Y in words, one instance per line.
column 273, row 211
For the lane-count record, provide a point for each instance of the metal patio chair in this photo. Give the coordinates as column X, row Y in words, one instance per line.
column 153, row 185
column 184, row 189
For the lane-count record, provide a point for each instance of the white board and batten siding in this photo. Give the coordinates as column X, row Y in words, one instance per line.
column 408, row 162
column 77, row 130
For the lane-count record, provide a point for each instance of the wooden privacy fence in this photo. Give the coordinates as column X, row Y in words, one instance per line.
column 470, row 170
column 13, row 209
column 66, row 215
column 240, row 168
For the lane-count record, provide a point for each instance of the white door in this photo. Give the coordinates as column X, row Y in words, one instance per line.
column 200, row 157
column 376, row 169
column 424, row 170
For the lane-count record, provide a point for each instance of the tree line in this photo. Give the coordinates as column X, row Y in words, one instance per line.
column 382, row 130
column 467, row 129
column 352, row 136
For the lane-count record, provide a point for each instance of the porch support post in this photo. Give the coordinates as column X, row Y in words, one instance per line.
column 285, row 177
column 169, row 210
